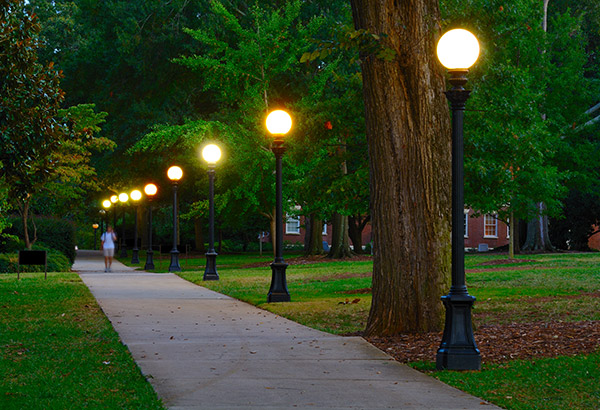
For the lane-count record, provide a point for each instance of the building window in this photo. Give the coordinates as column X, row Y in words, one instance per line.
column 292, row 225
column 324, row 229
column 466, row 223
column 490, row 226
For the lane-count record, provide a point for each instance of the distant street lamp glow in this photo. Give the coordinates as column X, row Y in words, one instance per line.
column 211, row 153
column 458, row 49
column 175, row 173
column 150, row 190
column 114, row 199
column 123, row 197
column 106, row 203
column 136, row 195
column 279, row 122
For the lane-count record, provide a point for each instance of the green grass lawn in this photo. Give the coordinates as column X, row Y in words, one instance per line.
column 335, row 297
column 60, row 352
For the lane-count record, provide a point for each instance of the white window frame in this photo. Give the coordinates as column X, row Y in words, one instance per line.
column 292, row 225
column 466, row 223
column 324, row 233
column 486, row 218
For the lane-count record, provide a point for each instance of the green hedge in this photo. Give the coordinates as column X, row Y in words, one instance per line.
column 54, row 233
column 57, row 262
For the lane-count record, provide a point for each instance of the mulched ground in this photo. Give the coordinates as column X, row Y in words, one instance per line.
column 501, row 343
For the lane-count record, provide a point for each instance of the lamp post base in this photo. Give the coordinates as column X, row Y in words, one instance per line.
column 135, row 256
column 278, row 291
column 149, row 262
column 123, row 253
column 174, row 266
column 210, row 273
column 458, row 350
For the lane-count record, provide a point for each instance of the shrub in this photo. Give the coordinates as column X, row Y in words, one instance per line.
column 57, row 262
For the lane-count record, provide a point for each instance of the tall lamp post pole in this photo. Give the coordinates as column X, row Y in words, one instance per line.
column 174, row 173
column 135, row 196
column 211, row 154
column 113, row 200
column 457, row 51
column 95, row 226
column 150, row 190
column 106, row 204
column 123, row 198
column 278, row 124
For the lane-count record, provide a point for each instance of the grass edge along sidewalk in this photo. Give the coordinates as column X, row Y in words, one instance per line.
column 60, row 351
column 563, row 382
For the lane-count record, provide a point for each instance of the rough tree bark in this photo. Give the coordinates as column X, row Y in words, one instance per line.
column 409, row 141
column 313, row 239
column 340, row 246
column 356, row 225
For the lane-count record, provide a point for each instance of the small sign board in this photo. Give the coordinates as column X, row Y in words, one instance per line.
column 27, row 257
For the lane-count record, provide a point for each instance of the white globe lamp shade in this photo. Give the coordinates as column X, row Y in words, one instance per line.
column 123, row 197
column 175, row 173
column 114, row 199
column 150, row 190
column 279, row 122
column 106, row 203
column 458, row 49
column 136, row 195
column 211, row 153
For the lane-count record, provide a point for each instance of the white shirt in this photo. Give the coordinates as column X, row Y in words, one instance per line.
column 108, row 241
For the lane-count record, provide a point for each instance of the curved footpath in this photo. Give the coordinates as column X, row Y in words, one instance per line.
column 203, row 350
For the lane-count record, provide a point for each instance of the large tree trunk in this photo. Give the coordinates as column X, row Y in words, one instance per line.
column 538, row 239
column 340, row 246
column 313, row 239
column 409, row 140
column 356, row 225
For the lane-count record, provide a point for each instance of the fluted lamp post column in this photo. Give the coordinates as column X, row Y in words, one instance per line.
column 135, row 196
column 211, row 154
column 278, row 124
column 150, row 190
column 123, row 198
column 457, row 51
column 174, row 173
column 106, row 204
column 95, row 226
column 114, row 199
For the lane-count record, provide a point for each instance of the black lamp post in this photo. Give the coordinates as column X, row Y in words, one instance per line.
column 457, row 51
column 123, row 198
column 211, row 154
column 135, row 196
column 150, row 190
column 102, row 216
column 174, row 173
column 113, row 200
column 95, row 226
column 279, row 123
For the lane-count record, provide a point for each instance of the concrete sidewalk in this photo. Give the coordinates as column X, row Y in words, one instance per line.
column 204, row 350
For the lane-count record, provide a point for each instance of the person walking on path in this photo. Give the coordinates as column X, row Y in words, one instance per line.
column 108, row 239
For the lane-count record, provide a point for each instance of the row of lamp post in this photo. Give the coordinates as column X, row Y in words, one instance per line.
column 457, row 50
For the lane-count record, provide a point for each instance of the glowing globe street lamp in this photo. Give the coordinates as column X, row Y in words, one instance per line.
column 150, row 190
column 114, row 199
column 135, row 196
column 457, row 51
column 123, row 198
column 211, row 154
column 174, row 173
column 95, row 226
column 278, row 124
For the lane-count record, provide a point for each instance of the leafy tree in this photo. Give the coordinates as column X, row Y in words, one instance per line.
column 408, row 135
column 41, row 143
